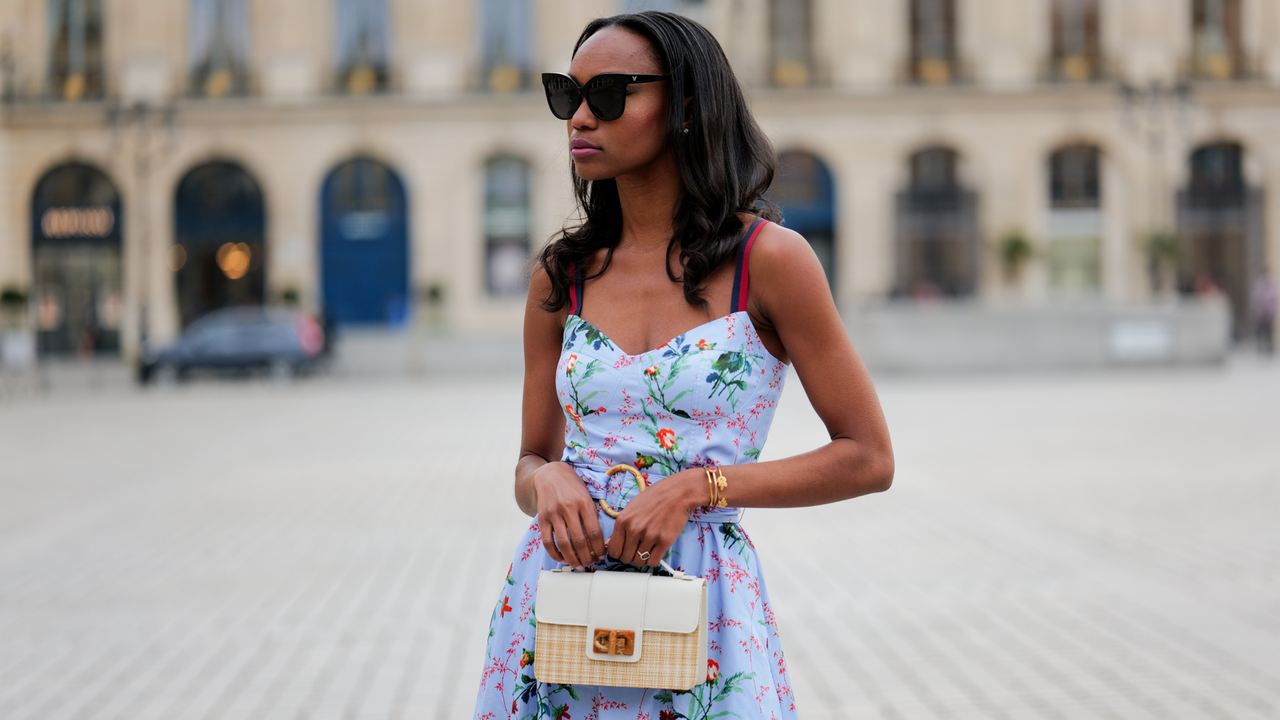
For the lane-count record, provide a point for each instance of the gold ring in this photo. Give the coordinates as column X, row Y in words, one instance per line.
column 615, row 469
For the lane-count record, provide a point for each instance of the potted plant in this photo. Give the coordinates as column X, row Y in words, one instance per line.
column 17, row 343
column 1015, row 250
column 1163, row 250
column 13, row 306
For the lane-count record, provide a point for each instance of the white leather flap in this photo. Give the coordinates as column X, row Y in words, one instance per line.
column 670, row 604
column 673, row 605
column 563, row 597
column 617, row 608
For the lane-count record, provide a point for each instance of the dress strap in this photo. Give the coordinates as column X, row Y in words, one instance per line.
column 739, row 301
column 575, row 290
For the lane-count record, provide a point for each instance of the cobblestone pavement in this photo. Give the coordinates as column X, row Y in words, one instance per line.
column 1061, row 547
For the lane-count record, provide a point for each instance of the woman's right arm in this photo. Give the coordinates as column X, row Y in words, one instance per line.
column 545, row 487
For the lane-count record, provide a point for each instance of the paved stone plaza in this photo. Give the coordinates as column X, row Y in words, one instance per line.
column 1087, row 546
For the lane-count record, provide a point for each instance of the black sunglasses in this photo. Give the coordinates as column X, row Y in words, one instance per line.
column 606, row 94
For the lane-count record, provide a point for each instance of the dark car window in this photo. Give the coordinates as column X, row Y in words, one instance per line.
column 215, row 339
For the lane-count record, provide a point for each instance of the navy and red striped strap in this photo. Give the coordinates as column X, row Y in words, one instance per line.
column 575, row 291
column 740, row 276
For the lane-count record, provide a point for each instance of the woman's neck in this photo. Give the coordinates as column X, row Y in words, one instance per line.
column 648, row 200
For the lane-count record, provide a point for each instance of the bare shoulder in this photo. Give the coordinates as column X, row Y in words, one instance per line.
column 539, row 290
column 782, row 258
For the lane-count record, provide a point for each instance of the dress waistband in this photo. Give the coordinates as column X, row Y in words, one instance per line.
column 611, row 490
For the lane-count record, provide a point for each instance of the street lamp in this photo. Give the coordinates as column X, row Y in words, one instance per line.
column 1147, row 114
column 141, row 119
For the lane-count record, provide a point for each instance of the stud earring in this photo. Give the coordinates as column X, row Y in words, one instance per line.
column 685, row 131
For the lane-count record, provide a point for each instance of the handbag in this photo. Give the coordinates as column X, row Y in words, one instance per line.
column 621, row 629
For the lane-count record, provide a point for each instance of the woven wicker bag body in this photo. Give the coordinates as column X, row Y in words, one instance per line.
column 621, row 629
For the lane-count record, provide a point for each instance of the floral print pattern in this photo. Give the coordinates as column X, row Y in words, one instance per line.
column 706, row 397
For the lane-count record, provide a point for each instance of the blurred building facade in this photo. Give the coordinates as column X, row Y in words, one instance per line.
column 385, row 160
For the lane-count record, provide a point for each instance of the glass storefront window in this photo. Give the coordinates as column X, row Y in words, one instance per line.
column 507, row 225
column 76, row 233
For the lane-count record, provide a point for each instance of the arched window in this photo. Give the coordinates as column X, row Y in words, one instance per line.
column 76, row 237
column 1215, row 24
column 1217, row 174
column 75, row 34
column 791, row 35
column 1220, row 228
column 804, row 191
column 361, row 46
column 364, row 244
column 506, row 225
column 1077, row 55
column 219, row 48
column 937, row 245
column 1075, row 220
column 219, row 256
column 506, row 44
column 933, row 42
column 1074, row 179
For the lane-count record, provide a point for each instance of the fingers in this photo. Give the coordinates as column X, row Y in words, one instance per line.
column 594, row 535
column 624, row 543
column 548, row 540
column 564, row 541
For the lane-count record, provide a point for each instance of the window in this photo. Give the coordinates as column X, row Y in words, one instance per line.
column 506, row 44
column 1216, row 39
column 75, row 28
column 1075, row 220
column 1217, row 174
column 1073, row 178
column 219, row 48
column 361, row 46
column 933, row 41
column 506, row 225
column 1076, row 54
column 790, row 22
column 937, row 248
column 1221, row 229
column 804, row 191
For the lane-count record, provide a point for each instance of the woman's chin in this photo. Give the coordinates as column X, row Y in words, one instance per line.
column 590, row 171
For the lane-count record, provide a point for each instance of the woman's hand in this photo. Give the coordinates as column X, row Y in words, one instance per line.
column 653, row 520
column 567, row 516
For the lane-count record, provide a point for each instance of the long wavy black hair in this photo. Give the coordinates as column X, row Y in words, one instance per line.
column 726, row 163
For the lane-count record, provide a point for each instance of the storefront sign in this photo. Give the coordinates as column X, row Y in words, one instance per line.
column 83, row 222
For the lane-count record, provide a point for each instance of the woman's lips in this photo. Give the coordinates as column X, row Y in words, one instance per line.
column 581, row 148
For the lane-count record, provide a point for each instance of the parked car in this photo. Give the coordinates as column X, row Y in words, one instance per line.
column 281, row 341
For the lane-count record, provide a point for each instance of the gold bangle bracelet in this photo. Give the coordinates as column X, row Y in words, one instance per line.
column 722, row 484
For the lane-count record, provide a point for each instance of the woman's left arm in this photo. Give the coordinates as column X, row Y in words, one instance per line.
column 789, row 294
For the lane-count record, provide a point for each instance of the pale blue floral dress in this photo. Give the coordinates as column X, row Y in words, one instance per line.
column 706, row 397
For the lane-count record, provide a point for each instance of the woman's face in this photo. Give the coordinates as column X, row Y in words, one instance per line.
column 603, row 149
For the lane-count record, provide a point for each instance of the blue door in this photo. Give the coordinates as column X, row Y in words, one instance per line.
column 364, row 245
column 804, row 191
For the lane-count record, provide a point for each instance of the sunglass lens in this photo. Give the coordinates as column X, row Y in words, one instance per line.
column 608, row 98
column 562, row 96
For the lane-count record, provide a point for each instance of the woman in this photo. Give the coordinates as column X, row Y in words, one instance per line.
column 658, row 333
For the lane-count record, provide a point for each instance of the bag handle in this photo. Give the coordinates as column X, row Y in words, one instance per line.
column 617, row 469
column 675, row 574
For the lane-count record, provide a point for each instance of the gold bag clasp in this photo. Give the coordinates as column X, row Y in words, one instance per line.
column 614, row 642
